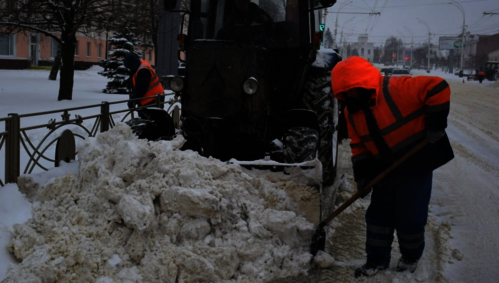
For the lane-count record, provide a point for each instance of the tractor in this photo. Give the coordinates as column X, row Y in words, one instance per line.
column 255, row 84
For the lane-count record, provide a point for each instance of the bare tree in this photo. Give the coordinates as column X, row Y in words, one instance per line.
column 53, row 17
column 144, row 16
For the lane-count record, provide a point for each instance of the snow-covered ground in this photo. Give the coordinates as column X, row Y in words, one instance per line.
column 462, row 233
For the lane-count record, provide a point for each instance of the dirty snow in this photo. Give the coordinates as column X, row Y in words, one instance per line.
column 462, row 233
column 149, row 212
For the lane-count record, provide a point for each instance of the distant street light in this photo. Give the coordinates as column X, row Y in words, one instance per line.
column 429, row 42
column 464, row 25
column 412, row 41
column 336, row 24
column 403, row 45
column 341, row 41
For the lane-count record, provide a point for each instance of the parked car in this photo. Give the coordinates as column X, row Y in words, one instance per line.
column 400, row 72
column 386, row 71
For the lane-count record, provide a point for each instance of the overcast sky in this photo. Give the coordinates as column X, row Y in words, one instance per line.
column 443, row 19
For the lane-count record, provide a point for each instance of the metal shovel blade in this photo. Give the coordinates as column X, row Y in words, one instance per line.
column 318, row 241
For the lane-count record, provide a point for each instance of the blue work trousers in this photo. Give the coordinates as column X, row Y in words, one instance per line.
column 402, row 208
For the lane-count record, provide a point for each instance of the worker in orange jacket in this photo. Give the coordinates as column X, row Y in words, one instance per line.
column 481, row 75
column 144, row 80
column 386, row 117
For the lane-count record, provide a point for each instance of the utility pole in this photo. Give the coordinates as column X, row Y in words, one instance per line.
column 324, row 31
column 341, row 44
column 429, row 47
column 403, row 45
column 462, row 35
column 397, row 57
column 336, row 24
column 429, row 43
column 412, row 41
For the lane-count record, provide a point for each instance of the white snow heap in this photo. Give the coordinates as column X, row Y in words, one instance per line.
column 144, row 211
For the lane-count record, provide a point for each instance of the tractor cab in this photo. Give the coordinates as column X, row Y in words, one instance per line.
column 248, row 65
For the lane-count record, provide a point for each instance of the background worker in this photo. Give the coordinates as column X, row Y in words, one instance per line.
column 481, row 74
column 143, row 80
column 386, row 117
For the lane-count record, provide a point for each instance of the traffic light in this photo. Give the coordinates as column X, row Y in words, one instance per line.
column 322, row 27
column 393, row 56
column 406, row 58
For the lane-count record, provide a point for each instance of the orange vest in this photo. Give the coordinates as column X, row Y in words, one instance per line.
column 155, row 86
column 400, row 106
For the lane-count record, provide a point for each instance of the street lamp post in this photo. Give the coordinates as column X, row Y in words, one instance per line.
column 462, row 35
column 341, row 42
column 403, row 44
column 429, row 42
column 412, row 41
column 336, row 24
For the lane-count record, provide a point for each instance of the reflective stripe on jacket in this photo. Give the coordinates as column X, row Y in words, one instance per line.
column 400, row 117
column 155, row 86
column 404, row 108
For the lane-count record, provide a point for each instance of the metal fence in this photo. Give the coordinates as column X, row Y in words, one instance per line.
column 15, row 139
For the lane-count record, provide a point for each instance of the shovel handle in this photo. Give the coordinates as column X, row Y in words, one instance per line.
column 383, row 174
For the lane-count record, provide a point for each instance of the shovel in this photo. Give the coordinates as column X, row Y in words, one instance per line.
column 319, row 238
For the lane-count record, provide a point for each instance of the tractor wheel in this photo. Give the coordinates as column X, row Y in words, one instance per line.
column 318, row 97
column 300, row 144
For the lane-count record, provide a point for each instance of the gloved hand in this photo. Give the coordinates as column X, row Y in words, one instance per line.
column 434, row 135
column 131, row 104
column 360, row 185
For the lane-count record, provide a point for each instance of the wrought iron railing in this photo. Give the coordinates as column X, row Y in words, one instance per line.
column 16, row 142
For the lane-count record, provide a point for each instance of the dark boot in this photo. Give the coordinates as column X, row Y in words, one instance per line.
column 407, row 264
column 369, row 269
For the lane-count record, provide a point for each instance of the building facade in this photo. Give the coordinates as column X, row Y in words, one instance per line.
column 494, row 56
column 363, row 48
column 479, row 49
column 25, row 49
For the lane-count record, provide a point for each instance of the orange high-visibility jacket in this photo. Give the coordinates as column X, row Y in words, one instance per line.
column 154, row 84
column 404, row 108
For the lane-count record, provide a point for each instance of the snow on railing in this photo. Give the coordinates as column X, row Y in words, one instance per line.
column 33, row 149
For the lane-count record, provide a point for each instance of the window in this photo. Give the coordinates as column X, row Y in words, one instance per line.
column 88, row 49
column 99, row 48
column 362, row 51
column 6, row 44
column 369, row 51
column 225, row 20
column 150, row 55
column 53, row 48
column 76, row 48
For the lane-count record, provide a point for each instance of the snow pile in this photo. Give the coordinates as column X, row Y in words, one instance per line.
column 494, row 84
column 14, row 205
column 145, row 212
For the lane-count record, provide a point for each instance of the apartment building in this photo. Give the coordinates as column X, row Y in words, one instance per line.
column 25, row 49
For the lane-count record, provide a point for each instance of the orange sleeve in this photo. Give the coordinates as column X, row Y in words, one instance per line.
column 432, row 92
column 362, row 159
